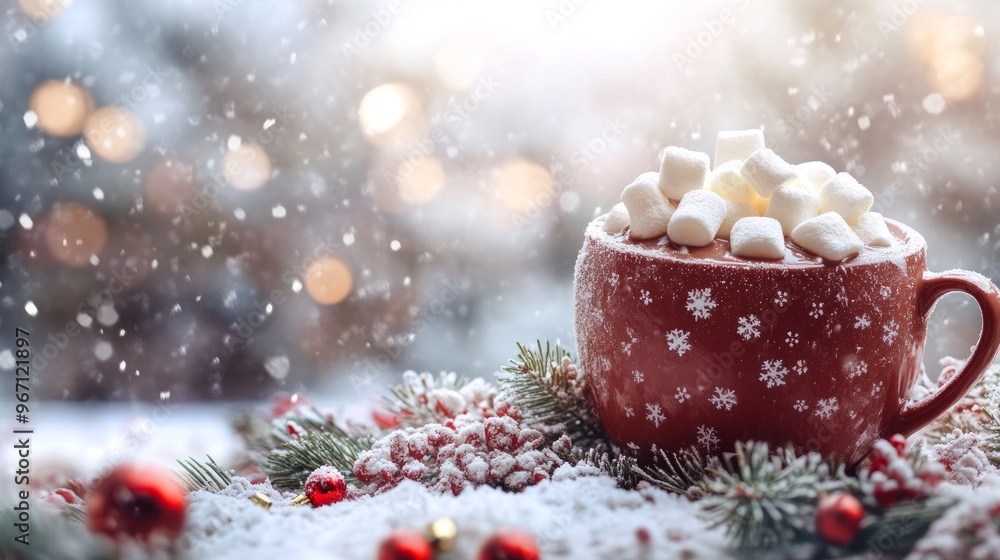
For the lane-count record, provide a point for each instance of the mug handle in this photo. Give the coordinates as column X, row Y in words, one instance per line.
column 935, row 285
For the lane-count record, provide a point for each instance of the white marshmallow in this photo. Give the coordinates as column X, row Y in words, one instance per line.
column 682, row 171
column 757, row 238
column 737, row 145
column 815, row 173
column 617, row 219
column 735, row 211
column 828, row 236
column 727, row 182
column 697, row 219
column 766, row 172
column 844, row 195
column 791, row 205
column 648, row 210
column 872, row 230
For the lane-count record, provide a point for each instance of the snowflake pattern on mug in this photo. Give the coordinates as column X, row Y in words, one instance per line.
column 633, row 447
column 645, row 297
column 889, row 332
column 792, row 339
column 677, row 341
column 886, row 292
column 817, row 310
column 613, row 281
column 638, row 376
column 723, row 398
column 857, row 369
column 862, row 321
column 800, row 406
column 700, row 303
column 826, row 407
column 629, row 412
column 781, row 299
column 876, row 389
column 800, row 367
column 749, row 327
column 773, row 373
column 682, row 394
column 655, row 414
column 707, row 437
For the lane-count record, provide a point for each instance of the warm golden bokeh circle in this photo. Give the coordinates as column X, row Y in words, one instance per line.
column 74, row 233
column 43, row 10
column 524, row 185
column 169, row 186
column 390, row 111
column 420, row 182
column 247, row 168
column 328, row 281
column 956, row 74
column 114, row 134
column 61, row 107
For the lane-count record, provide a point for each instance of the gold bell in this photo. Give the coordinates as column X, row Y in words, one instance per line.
column 261, row 500
column 442, row 533
column 300, row 500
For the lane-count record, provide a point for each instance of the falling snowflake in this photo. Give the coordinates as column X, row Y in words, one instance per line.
column 773, row 373
column 826, row 407
column 644, row 297
column 629, row 412
column 682, row 394
column 633, row 447
column 700, row 303
column 613, row 280
column 817, row 310
column 862, row 322
column 800, row 406
column 655, row 414
column 723, row 398
column 858, row 369
column 707, row 437
column 638, row 376
column 792, row 339
column 749, row 327
column 886, row 292
column 781, row 299
column 890, row 332
column 677, row 341
column 800, row 367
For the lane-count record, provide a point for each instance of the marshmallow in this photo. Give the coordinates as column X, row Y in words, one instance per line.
column 844, row 195
column 682, row 171
column 828, row 236
column 617, row 219
column 737, row 145
column 872, row 230
column 648, row 210
column 727, row 182
column 766, row 172
column 815, row 173
column 757, row 238
column 698, row 218
column 735, row 211
column 791, row 205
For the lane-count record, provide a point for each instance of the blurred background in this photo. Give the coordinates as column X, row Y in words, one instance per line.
column 217, row 200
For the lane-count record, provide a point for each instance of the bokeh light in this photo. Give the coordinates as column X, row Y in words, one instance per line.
column 957, row 74
column 458, row 65
column 420, row 182
column 43, row 10
column 328, row 281
column 170, row 186
column 61, row 107
column 114, row 134
column 525, row 185
column 247, row 167
column 74, row 233
column 385, row 108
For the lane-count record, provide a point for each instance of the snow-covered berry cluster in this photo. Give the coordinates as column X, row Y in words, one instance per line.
column 896, row 478
column 464, row 452
column 430, row 398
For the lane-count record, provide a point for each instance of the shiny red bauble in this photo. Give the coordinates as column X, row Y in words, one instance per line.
column 838, row 518
column 137, row 501
column 405, row 544
column 510, row 544
column 325, row 486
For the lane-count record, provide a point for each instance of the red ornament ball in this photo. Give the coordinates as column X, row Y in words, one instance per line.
column 135, row 500
column 325, row 486
column 510, row 544
column 838, row 518
column 405, row 544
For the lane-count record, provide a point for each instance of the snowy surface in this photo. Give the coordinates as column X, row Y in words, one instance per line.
column 582, row 517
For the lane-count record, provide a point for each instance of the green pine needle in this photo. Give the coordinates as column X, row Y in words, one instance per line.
column 199, row 476
column 290, row 465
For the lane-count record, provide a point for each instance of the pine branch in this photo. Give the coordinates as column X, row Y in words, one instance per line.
column 290, row 465
column 680, row 473
column 550, row 395
column 766, row 499
column 409, row 402
column 619, row 467
column 199, row 476
column 897, row 529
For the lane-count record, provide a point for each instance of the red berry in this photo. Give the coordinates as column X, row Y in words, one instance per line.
column 405, row 544
column 899, row 443
column 137, row 501
column 385, row 420
column 283, row 403
column 510, row 544
column 643, row 535
column 838, row 518
column 325, row 486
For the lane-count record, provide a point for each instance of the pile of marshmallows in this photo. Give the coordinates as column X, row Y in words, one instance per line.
column 753, row 198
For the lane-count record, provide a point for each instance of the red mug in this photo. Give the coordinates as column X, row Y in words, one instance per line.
column 692, row 346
